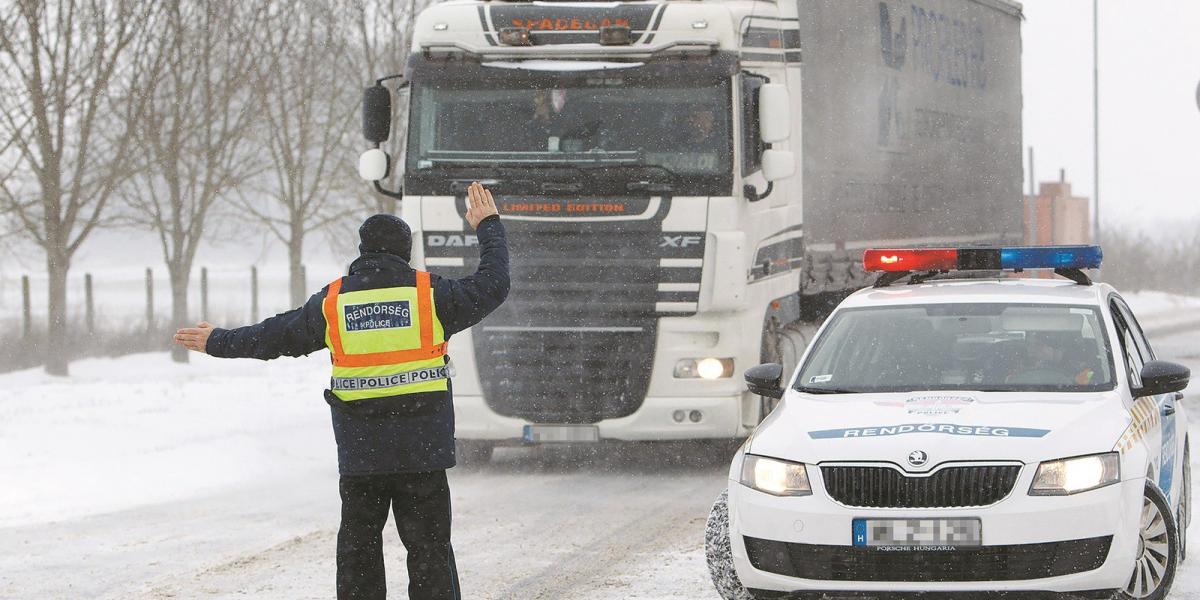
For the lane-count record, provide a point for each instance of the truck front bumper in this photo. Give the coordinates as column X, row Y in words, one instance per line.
column 655, row 419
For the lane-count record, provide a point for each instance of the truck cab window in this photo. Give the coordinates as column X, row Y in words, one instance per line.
column 752, row 144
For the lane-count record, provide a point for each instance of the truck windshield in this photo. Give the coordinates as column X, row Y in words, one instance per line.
column 968, row 347
column 661, row 129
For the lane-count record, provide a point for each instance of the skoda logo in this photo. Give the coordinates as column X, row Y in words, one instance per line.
column 918, row 458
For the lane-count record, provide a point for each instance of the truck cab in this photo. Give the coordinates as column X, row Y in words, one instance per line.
column 646, row 160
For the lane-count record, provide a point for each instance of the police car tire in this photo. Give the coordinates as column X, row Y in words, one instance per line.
column 719, row 553
column 1155, row 496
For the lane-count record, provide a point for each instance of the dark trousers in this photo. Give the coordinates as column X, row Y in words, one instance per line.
column 421, row 503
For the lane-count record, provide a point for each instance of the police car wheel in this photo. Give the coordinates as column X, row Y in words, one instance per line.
column 719, row 553
column 1158, row 549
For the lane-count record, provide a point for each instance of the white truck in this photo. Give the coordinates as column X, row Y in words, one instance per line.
column 687, row 186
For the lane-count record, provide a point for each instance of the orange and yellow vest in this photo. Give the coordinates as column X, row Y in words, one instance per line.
column 380, row 345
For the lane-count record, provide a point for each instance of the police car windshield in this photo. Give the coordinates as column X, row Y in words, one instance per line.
column 980, row 347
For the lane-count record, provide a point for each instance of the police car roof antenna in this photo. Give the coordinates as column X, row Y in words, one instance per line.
column 1074, row 274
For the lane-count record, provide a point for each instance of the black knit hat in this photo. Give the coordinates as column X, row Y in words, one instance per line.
column 387, row 234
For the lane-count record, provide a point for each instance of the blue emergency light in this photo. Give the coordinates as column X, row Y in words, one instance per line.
column 1051, row 257
column 1068, row 261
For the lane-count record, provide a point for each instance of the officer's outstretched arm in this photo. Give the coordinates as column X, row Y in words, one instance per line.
column 296, row 332
column 470, row 299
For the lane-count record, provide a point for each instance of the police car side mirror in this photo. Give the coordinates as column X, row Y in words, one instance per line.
column 764, row 380
column 1161, row 377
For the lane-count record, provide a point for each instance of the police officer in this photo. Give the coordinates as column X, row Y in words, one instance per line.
column 386, row 327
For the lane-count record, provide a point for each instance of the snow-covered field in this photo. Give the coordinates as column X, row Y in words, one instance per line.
column 140, row 478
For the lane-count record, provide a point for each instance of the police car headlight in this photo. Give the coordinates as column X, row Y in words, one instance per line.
column 774, row 476
column 704, row 368
column 1073, row 475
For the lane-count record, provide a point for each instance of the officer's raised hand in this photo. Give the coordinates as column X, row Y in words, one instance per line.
column 194, row 338
column 480, row 204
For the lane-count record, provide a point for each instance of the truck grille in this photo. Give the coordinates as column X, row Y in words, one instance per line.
column 574, row 342
column 885, row 487
column 564, row 376
column 985, row 563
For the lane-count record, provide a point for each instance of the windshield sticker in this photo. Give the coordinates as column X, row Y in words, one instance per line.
column 820, row 378
column 930, row 405
column 942, row 428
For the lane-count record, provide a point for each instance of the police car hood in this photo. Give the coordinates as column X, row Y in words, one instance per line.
column 946, row 426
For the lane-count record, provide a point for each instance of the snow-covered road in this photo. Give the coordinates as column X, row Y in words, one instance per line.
column 142, row 479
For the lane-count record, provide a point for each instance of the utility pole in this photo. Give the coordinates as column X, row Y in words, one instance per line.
column 1032, row 204
column 1096, row 119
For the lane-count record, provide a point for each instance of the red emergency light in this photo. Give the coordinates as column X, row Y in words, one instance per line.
column 922, row 259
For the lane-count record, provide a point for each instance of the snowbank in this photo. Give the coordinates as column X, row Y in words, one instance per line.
column 141, row 429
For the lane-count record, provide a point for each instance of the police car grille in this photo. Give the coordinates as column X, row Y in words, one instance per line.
column 983, row 563
column 564, row 376
column 885, row 487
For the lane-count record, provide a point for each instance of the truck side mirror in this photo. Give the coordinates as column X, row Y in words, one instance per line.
column 377, row 114
column 764, row 380
column 374, row 164
column 774, row 114
column 1162, row 377
column 778, row 164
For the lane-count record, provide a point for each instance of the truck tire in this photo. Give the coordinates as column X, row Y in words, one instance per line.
column 1154, row 569
column 473, row 454
column 784, row 345
column 719, row 553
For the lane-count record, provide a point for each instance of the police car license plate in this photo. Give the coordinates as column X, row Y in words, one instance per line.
column 561, row 433
column 917, row 534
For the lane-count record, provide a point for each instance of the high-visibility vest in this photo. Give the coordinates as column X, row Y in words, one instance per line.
column 382, row 347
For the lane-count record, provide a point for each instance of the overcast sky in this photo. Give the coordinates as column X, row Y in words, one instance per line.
column 1149, row 120
column 1149, row 128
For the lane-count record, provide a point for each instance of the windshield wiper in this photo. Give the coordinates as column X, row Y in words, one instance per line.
column 817, row 390
column 650, row 186
column 589, row 158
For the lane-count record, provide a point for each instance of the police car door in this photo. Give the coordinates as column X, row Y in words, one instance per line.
column 1157, row 412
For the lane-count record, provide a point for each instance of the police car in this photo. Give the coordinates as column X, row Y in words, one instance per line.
column 964, row 433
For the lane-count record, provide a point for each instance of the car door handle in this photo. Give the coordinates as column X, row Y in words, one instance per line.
column 1179, row 396
column 1168, row 409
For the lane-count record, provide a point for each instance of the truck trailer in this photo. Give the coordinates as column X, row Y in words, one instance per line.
column 687, row 187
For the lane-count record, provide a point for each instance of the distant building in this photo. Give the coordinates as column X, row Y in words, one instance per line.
column 1060, row 217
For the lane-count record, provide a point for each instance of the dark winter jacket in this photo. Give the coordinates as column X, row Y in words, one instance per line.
column 402, row 434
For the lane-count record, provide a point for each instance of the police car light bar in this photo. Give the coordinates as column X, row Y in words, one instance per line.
column 1065, row 260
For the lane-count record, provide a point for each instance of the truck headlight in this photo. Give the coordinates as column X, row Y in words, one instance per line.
column 1073, row 475
column 774, row 476
column 704, row 368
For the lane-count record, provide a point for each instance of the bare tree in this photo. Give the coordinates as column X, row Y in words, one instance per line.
column 198, row 129
column 308, row 109
column 71, row 80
